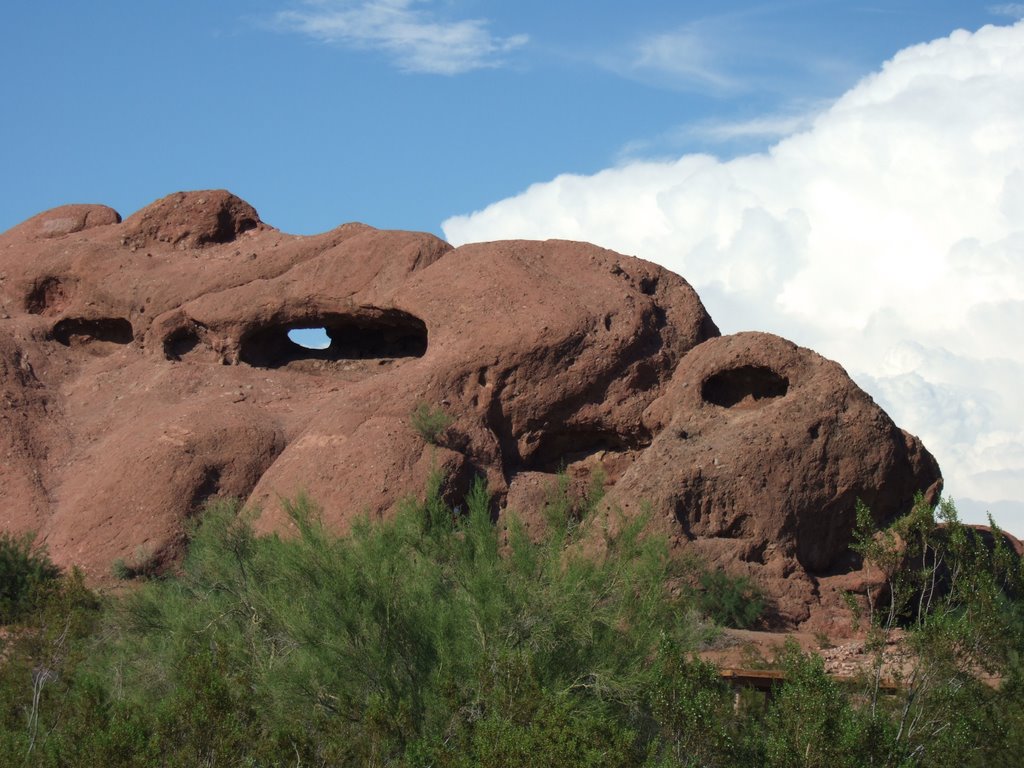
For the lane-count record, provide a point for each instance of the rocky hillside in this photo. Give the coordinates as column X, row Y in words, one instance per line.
column 145, row 366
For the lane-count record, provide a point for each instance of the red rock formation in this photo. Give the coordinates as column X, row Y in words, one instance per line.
column 145, row 366
column 763, row 450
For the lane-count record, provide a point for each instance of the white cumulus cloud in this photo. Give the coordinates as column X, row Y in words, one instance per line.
column 414, row 38
column 888, row 234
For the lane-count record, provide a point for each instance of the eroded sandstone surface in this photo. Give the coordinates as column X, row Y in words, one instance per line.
column 145, row 367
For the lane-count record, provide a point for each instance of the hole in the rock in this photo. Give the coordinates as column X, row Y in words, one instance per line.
column 382, row 334
column 754, row 553
column 209, row 486
column 644, row 377
column 228, row 228
column 48, row 295
column 743, row 386
column 557, row 449
column 648, row 286
column 180, row 343
column 73, row 331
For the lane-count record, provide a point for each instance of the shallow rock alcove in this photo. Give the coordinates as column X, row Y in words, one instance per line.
column 743, row 386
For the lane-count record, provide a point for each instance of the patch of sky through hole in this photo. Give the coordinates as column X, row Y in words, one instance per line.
column 310, row 338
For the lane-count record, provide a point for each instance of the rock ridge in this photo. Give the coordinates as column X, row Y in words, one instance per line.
column 146, row 366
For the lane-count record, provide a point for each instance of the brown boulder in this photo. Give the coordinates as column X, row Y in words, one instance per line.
column 66, row 220
column 191, row 220
column 146, row 366
column 763, row 450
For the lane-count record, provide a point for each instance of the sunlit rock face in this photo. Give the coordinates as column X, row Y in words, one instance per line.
column 146, row 366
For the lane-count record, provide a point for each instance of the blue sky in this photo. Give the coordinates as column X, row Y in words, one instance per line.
column 121, row 101
column 847, row 174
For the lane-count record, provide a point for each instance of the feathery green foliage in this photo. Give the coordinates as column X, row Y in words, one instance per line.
column 430, row 423
column 26, row 573
column 732, row 601
column 957, row 598
column 411, row 640
column 437, row 638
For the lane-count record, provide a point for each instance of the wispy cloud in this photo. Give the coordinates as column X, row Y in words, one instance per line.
column 683, row 54
column 415, row 38
column 1013, row 10
column 724, row 137
column 751, row 50
column 765, row 127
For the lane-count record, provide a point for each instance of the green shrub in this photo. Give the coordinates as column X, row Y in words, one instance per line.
column 26, row 572
column 39, row 661
column 693, row 707
column 732, row 601
column 564, row 510
column 410, row 641
column 811, row 723
column 430, row 423
column 143, row 565
column 956, row 602
column 436, row 638
column 121, row 570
